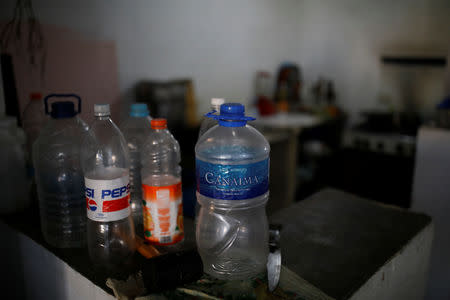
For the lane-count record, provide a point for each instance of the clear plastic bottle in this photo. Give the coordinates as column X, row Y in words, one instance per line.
column 161, row 187
column 208, row 123
column 59, row 177
column 135, row 130
column 106, row 166
column 232, row 163
column 13, row 182
column 34, row 119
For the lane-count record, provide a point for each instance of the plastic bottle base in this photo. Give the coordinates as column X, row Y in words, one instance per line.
column 234, row 270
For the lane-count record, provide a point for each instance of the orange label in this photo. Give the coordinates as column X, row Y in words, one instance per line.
column 163, row 214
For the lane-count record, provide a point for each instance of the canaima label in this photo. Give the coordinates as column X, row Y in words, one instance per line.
column 232, row 182
column 108, row 200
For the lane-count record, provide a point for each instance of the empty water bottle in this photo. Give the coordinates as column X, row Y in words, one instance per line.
column 232, row 169
column 59, row 177
column 34, row 119
column 135, row 130
column 106, row 166
column 161, row 187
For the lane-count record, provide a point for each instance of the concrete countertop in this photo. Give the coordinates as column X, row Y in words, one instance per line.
column 345, row 246
column 337, row 242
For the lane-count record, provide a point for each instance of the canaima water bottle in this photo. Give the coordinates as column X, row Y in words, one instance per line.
column 135, row 130
column 59, row 177
column 106, row 166
column 232, row 169
column 161, row 187
column 207, row 122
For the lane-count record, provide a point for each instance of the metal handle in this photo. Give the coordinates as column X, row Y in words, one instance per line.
column 62, row 96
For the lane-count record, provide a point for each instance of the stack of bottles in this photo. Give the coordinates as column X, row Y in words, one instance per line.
column 101, row 186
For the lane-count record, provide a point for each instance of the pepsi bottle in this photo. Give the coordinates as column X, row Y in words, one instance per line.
column 106, row 166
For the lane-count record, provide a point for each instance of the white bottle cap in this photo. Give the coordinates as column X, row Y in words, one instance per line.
column 101, row 110
column 217, row 101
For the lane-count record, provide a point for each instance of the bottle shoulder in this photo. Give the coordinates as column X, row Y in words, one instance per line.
column 104, row 146
column 160, row 145
column 135, row 131
column 160, row 138
column 232, row 145
column 133, row 123
column 104, row 132
column 58, row 143
column 63, row 130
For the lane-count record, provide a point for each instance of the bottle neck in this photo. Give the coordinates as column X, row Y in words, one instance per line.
column 139, row 116
column 160, row 129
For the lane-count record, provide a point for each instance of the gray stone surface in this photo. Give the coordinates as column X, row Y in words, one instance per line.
column 337, row 241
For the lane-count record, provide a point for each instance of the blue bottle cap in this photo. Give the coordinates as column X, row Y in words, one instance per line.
column 63, row 109
column 231, row 115
column 139, row 110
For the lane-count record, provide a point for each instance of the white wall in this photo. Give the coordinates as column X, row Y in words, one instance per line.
column 222, row 43
column 344, row 40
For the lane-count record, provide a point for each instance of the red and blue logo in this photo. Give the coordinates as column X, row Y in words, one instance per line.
column 91, row 204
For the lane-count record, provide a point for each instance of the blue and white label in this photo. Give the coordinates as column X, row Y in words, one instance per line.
column 232, row 182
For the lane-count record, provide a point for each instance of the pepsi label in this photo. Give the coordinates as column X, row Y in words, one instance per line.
column 108, row 200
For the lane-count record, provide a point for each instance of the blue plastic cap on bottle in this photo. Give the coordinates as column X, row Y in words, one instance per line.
column 232, row 109
column 139, row 110
column 231, row 115
column 63, row 109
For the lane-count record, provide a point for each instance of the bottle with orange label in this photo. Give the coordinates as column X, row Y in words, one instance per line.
column 161, row 186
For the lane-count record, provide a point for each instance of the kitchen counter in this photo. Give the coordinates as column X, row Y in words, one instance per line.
column 337, row 245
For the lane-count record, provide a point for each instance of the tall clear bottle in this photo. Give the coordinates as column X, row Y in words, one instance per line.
column 34, row 119
column 161, row 187
column 59, row 177
column 106, row 166
column 208, row 123
column 135, row 130
column 232, row 169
